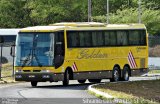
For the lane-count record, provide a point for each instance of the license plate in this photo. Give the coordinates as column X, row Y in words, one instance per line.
column 31, row 76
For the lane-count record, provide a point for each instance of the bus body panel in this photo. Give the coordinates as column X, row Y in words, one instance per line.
column 89, row 62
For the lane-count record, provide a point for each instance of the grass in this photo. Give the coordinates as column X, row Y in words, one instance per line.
column 154, row 71
column 135, row 92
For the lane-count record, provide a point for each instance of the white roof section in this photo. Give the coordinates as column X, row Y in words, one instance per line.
column 9, row 31
column 42, row 28
column 81, row 26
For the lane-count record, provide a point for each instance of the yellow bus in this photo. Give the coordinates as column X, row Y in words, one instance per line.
column 81, row 51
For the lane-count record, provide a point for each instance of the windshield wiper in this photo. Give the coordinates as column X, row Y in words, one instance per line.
column 32, row 54
column 30, row 58
column 26, row 60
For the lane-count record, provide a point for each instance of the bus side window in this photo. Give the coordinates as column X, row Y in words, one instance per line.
column 100, row 39
column 82, row 40
column 122, row 38
column 143, row 37
column 106, row 38
column 94, row 39
column 73, row 39
column 113, row 38
column 87, row 39
column 134, row 37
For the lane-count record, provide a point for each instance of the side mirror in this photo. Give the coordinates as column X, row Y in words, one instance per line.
column 12, row 51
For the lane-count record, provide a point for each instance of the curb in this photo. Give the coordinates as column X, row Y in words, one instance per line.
column 151, row 75
column 106, row 95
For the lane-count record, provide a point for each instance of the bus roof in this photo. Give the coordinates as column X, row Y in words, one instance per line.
column 82, row 26
column 9, row 31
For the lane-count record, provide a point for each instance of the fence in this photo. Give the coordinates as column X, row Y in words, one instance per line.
column 154, row 46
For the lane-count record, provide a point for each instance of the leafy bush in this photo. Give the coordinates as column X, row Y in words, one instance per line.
column 150, row 18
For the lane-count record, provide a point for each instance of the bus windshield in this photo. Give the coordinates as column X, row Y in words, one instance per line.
column 35, row 49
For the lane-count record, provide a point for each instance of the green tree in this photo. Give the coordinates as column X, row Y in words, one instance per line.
column 13, row 13
column 150, row 18
column 51, row 11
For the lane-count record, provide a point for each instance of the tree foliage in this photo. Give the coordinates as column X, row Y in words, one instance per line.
column 23, row 13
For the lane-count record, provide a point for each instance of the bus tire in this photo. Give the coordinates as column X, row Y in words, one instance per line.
column 34, row 83
column 82, row 81
column 66, row 78
column 125, row 76
column 115, row 75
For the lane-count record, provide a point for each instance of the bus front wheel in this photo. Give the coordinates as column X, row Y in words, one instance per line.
column 34, row 84
column 115, row 75
column 82, row 81
column 66, row 78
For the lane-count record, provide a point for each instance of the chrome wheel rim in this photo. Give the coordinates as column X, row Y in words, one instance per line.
column 126, row 75
column 116, row 75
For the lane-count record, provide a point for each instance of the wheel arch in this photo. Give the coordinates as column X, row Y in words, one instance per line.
column 116, row 65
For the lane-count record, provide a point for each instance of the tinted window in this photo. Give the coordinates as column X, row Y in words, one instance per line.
column 97, row 38
column 113, row 38
column 79, row 39
column 122, row 38
column 137, row 37
column 143, row 37
column 106, row 38
column 87, row 39
column 73, row 39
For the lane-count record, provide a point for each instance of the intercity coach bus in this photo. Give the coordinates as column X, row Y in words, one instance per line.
column 81, row 51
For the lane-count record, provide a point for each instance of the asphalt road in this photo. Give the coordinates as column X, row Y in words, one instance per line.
column 45, row 93
column 50, row 93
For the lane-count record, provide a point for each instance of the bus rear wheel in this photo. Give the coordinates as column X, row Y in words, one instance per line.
column 34, row 83
column 125, row 76
column 115, row 75
column 82, row 81
column 66, row 78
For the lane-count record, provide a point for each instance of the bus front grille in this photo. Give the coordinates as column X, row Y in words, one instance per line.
column 26, row 70
column 36, row 70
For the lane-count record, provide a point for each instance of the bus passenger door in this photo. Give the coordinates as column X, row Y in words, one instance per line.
column 59, row 49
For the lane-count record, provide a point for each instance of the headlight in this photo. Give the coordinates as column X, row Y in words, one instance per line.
column 45, row 71
column 19, row 70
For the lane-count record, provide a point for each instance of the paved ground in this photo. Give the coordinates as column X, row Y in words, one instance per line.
column 49, row 93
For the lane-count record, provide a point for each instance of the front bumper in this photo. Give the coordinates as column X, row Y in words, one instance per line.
column 39, row 77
